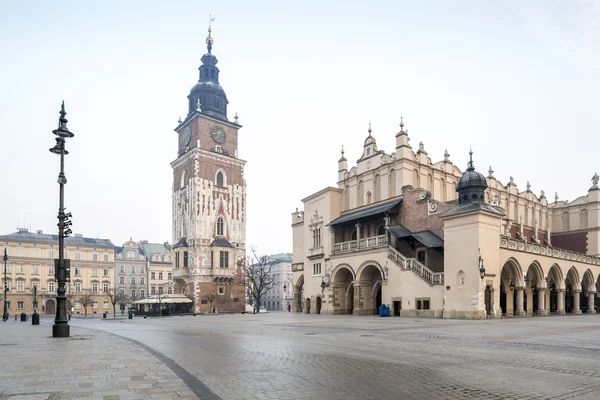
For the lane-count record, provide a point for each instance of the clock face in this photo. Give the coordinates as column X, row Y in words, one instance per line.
column 217, row 132
column 187, row 135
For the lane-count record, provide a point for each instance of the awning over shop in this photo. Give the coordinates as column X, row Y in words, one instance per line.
column 166, row 299
column 368, row 212
column 427, row 238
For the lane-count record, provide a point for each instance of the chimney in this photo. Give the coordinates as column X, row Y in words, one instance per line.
column 40, row 232
column 23, row 230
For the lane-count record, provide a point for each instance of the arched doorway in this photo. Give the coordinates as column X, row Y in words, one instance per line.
column 50, row 307
column 342, row 284
column 588, row 292
column 370, row 281
column 299, row 295
column 572, row 292
column 307, row 306
column 318, row 305
column 535, row 290
column 511, row 289
column 555, row 284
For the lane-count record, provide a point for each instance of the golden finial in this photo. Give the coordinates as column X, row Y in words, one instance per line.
column 401, row 123
column 370, row 130
column 236, row 118
column 342, row 150
column 209, row 39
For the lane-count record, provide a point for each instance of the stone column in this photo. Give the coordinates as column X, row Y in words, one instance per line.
column 591, row 303
column 576, row 307
column 297, row 300
column 519, row 311
column 560, row 300
column 541, row 302
column 357, row 299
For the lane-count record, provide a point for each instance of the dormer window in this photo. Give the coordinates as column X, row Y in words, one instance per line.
column 220, row 225
column 218, row 149
column 216, row 103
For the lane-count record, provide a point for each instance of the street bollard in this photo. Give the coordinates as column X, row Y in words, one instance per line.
column 35, row 319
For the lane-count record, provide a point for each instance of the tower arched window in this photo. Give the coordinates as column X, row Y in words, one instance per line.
column 183, row 179
column 219, row 178
column 220, row 226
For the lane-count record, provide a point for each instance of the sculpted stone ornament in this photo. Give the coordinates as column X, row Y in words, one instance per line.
column 595, row 180
column 491, row 173
column 421, row 149
column 446, row 156
column 556, row 197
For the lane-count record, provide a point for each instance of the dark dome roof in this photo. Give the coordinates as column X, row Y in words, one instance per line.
column 471, row 178
column 208, row 85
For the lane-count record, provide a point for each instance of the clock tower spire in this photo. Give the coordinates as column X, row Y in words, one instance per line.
column 213, row 100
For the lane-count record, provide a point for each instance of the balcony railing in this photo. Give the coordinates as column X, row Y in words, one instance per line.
column 361, row 244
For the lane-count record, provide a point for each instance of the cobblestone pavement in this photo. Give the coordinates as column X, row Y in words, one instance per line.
column 88, row 365
column 296, row 356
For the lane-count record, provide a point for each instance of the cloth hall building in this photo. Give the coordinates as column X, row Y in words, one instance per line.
column 428, row 239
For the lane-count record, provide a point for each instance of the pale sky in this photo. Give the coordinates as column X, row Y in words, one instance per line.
column 517, row 80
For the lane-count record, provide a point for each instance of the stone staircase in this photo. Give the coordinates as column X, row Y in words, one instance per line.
column 412, row 264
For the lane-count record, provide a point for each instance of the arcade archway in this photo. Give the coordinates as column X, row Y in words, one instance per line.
column 369, row 294
column 342, row 284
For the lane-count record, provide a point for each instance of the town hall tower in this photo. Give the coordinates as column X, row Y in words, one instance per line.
column 209, row 198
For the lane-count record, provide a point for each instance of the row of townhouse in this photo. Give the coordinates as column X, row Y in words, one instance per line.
column 98, row 268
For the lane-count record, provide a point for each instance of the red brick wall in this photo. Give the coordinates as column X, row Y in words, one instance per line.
column 223, row 302
column 576, row 241
column 414, row 215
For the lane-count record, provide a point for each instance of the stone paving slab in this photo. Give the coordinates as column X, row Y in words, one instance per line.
column 88, row 365
column 296, row 356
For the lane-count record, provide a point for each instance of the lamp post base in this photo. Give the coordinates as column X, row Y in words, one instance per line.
column 60, row 330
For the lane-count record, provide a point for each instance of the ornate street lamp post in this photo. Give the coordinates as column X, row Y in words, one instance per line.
column 5, row 313
column 61, row 266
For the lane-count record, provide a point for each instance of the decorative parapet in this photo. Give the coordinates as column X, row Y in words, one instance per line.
column 547, row 251
column 297, row 267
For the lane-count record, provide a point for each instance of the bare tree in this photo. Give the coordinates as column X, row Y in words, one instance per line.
column 210, row 298
column 86, row 298
column 259, row 277
column 115, row 296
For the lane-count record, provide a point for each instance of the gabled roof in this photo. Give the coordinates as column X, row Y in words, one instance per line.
column 427, row 237
column 365, row 212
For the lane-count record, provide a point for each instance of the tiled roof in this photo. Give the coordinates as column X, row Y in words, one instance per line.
column 470, row 207
column 182, row 243
column 153, row 248
column 428, row 238
column 365, row 212
column 26, row 236
column 221, row 242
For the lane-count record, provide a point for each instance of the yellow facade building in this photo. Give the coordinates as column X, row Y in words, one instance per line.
column 31, row 263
